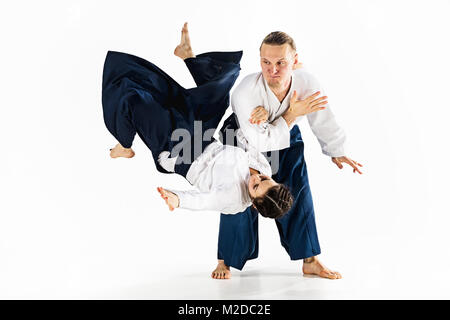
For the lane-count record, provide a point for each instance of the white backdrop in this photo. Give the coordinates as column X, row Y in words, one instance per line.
column 76, row 224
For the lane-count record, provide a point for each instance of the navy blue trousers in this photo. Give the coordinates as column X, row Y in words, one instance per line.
column 238, row 234
column 138, row 97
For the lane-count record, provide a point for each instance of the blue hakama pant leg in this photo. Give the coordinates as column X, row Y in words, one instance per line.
column 297, row 228
column 238, row 238
column 138, row 97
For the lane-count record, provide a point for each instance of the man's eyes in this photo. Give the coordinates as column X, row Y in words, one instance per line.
column 279, row 62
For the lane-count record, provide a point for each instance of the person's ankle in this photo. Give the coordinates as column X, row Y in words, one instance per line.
column 189, row 56
column 309, row 260
column 126, row 149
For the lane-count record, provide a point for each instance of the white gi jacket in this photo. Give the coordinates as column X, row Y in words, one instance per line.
column 274, row 134
column 221, row 175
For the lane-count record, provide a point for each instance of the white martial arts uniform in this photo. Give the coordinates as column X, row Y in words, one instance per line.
column 274, row 134
column 221, row 174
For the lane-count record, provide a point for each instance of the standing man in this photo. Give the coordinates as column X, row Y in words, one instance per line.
column 267, row 107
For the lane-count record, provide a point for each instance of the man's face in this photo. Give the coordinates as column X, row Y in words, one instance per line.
column 277, row 63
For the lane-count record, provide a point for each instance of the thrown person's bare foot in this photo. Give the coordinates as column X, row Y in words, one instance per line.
column 184, row 49
column 119, row 151
column 222, row 271
column 314, row 266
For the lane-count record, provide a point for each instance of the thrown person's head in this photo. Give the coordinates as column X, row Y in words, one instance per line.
column 278, row 59
column 271, row 199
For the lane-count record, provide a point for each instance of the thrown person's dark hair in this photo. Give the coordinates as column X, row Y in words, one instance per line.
column 275, row 203
column 278, row 38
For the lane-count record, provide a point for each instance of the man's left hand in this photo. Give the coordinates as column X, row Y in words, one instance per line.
column 171, row 198
column 340, row 160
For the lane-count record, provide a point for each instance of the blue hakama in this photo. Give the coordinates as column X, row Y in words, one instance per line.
column 138, row 97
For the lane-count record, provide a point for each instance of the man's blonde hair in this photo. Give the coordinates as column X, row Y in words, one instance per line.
column 278, row 38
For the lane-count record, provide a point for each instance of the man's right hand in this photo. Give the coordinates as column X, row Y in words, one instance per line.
column 303, row 107
column 259, row 115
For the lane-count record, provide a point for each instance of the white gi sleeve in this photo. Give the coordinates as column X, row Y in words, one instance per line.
column 264, row 137
column 222, row 199
column 323, row 124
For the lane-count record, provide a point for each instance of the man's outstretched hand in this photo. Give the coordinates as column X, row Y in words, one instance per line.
column 303, row 107
column 171, row 198
column 340, row 160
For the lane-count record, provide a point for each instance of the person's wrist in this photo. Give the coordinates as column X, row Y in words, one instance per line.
column 177, row 202
column 288, row 117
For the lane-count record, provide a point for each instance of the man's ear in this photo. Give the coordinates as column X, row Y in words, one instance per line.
column 294, row 66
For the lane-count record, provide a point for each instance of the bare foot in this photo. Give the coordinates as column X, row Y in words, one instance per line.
column 184, row 49
column 119, row 151
column 314, row 266
column 222, row 271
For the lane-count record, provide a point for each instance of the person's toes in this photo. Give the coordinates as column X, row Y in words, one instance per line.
column 332, row 275
column 336, row 274
column 326, row 274
column 184, row 32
